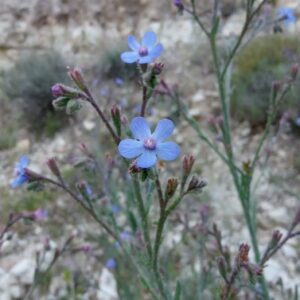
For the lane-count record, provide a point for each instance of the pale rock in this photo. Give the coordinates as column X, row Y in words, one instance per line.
column 24, row 270
column 198, row 97
column 16, row 291
column 89, row 125
column 7, row 280
column 23, row 146
column 107, row 286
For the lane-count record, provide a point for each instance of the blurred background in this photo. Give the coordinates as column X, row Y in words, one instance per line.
column 40, row 40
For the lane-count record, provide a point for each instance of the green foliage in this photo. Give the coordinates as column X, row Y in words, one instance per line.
column 29, row 83
column 265, row 59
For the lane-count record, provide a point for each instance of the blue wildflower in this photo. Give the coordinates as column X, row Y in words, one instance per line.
column 144, row 52
column 20, row 173
column 298, row 121
column 119, row 81
column 288, row 15
column 125, row 236
column 111, row 263
column 148, row 146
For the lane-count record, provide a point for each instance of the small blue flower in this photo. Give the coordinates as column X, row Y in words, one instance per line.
column 147, row 146
column 288, row 14
column 119, row 81
column 298, row 121
column 19, row 172
column 115, row 208
column 144, row 52
column 111, row 263
column 125, row 236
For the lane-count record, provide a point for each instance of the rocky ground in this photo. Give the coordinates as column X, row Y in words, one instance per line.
column 82, row 30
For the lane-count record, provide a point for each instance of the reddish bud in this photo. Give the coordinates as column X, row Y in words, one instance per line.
column 296, row 220
column 116, row 117
column 222, row 267
column 53, row 166
column 276, row 237
column 171, row 187
column 276, row 85
column 196, row 184
column 187, row 163
column 294, row 71
column 157, row 68
column 243, row 255
column 77, row 77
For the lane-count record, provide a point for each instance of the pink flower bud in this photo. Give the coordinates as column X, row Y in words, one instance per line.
column 77, row 77
column 171, row 187
column 52, row 165
column 294, row 71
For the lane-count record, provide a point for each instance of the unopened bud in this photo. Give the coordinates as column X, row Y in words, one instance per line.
column 77, row 77
column 31, row 175
column 294, row 71
column 116, row 117
column 171, row 187
column 187, row 164
column 196, row 184
column 296, row 220
column 179, row 5
column 222, row 267
column 53, row 166
column 243, row 255
column 86, row 248
column 61, row 90
column 276, row 237
column 157, row 68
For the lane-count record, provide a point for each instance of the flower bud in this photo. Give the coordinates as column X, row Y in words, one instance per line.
column 77, row 77
column 243, row 255
column 52, row 165
column 171, row 187
column 157, row 68
column 276, row 237
column 296, row 220
column 187, row 164
column 196, row 184
column 31, row 175
column 222, row 267
column 57, row 90
column 61, row 90
column 294, row 71
column 179, row 5
column 86, row 248
column 116, row 117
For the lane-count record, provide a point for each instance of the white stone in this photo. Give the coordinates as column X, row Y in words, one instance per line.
column 107, row 286
column 24, row 270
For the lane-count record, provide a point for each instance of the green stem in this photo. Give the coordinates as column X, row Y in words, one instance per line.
column 143, row 215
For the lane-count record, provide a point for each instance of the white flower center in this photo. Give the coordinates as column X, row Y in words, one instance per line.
column 149, row 143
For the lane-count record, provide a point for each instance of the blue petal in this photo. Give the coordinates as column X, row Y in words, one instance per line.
column 130, row 148
column 140, row 128
column 23, row 161
column 149, row 39
column 145, row 59
column 129, row 57
column 133, row 43
column 163, row 130
column 19, row 180
column 156, row 51
column 167, row 150
column 147, row 159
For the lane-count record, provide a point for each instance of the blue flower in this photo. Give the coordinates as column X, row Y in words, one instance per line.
column 19, row 172
column 288, row 15
column 298, row 121
column 111, row 263
column 148, row 146
column 144, row 52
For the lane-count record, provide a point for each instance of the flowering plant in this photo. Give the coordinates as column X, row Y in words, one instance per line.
column 152, row 197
